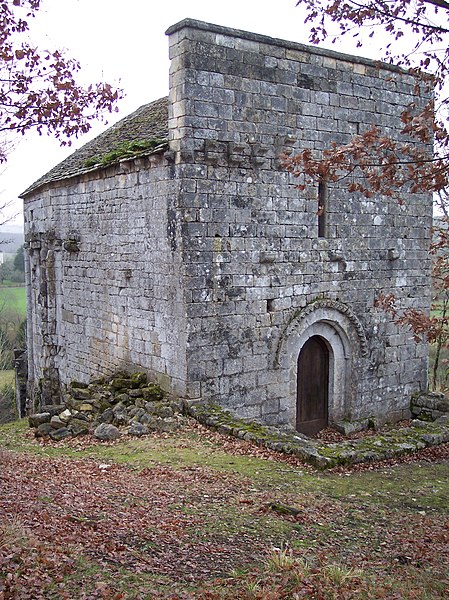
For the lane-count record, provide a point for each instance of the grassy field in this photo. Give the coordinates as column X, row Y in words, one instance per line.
column 6, row 378
column 198, row 515
column 14, row 299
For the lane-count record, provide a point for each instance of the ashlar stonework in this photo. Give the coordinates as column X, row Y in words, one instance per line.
column 175, row 243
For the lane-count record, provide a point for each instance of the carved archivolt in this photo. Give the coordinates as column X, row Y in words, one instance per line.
column 333, row 312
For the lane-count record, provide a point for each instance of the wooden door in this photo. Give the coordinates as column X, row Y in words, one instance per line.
column 313, row 386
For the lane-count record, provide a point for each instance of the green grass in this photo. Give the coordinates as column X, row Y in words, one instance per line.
column 414, row 486
column 10, row 283
column 6, row 378
column 13, row 299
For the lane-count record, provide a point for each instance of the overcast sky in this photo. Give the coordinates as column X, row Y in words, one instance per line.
column 124, row 43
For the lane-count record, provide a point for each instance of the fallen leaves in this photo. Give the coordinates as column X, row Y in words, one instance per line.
column 91, row 529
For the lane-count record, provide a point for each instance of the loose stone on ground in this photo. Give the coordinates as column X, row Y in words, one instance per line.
column 128, row 402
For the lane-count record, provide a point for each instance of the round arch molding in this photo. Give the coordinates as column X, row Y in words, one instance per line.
column 344, row 336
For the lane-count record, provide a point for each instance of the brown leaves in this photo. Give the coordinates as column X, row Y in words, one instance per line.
column 146, row 521
column 373, row 163
column 39, row 90
column 96, row 530
column 423, row 326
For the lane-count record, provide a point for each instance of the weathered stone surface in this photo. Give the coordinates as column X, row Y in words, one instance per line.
column 373, row 448
column 81, row 394
column 152, row 393
column 119, row 410
column 218, row 295
column 120, row 414
column 121, row 384
column 53, row 409
column 57, row 423
column 105, row 431
column 146, row 418
column 60, row 434
column 123, row 399
column 81, row 416
column 443, row 405
column 138, row 429
column 43, row 429
column 138, row 379
column 65, row 416
column 38, row 419
column 78, row 427
column 177, row 405
column 419, row 424
column 78, row 385
column 429, row 406
column 137, row 413
column 159, row 409
column 443, row 420
column 349, row 427
column 21, row 377
column 106, row 416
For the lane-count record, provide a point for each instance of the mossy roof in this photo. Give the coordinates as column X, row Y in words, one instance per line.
column 147, row 123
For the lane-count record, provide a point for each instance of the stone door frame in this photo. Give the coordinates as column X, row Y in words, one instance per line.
column 344, row 336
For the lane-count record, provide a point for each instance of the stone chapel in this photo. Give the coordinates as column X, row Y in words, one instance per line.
column 176, row 244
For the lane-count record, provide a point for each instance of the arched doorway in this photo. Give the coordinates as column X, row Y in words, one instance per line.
column 346, row 347
column 312, row 397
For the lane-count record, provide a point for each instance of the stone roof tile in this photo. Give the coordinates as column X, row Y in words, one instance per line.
column 146, row 124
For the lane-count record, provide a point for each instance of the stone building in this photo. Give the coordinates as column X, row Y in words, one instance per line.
column 175, row 243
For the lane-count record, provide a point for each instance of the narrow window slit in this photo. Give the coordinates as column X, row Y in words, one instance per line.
column 321, row 212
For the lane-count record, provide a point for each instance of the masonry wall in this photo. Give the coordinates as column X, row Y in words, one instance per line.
column 258, row 277
column 103, row 273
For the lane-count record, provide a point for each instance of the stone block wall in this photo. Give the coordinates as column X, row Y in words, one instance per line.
column 206, row 267
column 103, row 271
column 259, row 279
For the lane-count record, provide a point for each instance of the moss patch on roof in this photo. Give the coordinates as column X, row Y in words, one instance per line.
column 145, row 131
column 126, row 150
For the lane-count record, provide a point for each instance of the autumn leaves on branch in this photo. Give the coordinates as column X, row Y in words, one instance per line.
column 38, row 88
column 372, row 163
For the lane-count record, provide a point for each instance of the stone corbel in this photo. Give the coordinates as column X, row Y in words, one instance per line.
column 237, row 152
column 258, row 154
column 393, row 254
column 338, row 257
column 72, row 243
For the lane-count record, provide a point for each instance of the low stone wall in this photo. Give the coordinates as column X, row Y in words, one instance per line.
column 396, row 442
column 429, row 406
column 130, row 404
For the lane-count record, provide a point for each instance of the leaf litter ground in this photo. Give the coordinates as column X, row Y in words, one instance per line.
column 201, row 515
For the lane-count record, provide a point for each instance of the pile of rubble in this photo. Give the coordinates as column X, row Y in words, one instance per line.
column 123, row 403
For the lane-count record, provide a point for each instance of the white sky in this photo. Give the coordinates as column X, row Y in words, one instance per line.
column 124, row 43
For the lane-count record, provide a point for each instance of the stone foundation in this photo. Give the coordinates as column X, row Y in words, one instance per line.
column 429, row 407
